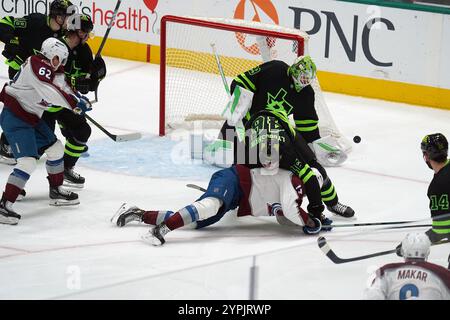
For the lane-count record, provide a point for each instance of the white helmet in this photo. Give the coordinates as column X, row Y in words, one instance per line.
column 416, row 246
column 52, row 47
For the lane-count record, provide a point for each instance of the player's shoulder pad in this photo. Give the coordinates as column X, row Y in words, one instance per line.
column 41, row 68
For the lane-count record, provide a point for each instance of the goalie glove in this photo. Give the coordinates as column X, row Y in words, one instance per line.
column 328, row 152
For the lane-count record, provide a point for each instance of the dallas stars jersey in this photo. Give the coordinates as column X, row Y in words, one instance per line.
column 79, row 64
column 273, row 90
column 27, row 33
column 273, row 142
column 439, row 194
column 410, row 280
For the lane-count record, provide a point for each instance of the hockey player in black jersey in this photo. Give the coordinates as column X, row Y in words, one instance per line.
column 84, row 74
column 435, row 154
column 284, row 90
column 23, row 37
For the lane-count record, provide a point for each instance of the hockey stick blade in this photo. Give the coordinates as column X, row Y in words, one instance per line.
column 127, row 137
column 194, row 186
column 325, row 247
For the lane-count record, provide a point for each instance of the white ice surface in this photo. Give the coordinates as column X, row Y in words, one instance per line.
column 75, row 253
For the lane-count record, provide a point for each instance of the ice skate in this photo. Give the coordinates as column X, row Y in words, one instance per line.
column 342, row 210
column 61, row 197
column 156, row 235
column 7, row 214
column 73, row 179
column 127, row 214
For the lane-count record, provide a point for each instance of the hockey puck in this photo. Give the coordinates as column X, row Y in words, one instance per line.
column 356, row 139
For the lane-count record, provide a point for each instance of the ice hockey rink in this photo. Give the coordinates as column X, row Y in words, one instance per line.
column 76, row 253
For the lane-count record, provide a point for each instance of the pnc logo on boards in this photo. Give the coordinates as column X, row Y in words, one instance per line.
column 259, row 10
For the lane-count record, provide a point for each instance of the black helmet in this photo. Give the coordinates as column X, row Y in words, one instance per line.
column 81, row 22
column 59, row 8
column 435, row 146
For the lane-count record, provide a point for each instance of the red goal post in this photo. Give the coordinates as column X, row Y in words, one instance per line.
column 190, row 83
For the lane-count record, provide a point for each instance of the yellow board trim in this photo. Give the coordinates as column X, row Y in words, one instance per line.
column 385, row 89
column 329, row 81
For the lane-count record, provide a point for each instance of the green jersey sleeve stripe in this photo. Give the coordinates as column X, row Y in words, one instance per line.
column 306, row 121
column 308, row 176
column 241, row 83
column 72, row 154
column 250, row 84
column 306, row 129
column 7, row 21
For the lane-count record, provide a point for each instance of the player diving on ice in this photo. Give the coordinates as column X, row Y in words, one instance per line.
column 254, row 192
column 259, row 187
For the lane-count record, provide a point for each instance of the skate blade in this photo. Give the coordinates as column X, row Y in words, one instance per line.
column 61, row 203
column 8, row 220
column 115, row 217
column 69, row 184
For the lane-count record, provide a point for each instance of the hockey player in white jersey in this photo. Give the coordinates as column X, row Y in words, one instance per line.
column 413, row 279
column 39, row 85
column 256, row 192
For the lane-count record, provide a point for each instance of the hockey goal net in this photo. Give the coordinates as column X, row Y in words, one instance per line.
column 191, row 87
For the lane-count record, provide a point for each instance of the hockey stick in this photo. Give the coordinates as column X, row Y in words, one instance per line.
column 115, row 137
column 377, row 223
column 240, row 130
column 105, row 37
column 194, row 186
column 325, row 247
column 219, row 66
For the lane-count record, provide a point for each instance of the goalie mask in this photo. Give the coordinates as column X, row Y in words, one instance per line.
column 303, row 72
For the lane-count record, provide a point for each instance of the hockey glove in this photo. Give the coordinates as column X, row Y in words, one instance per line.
column 98, row 69
column 83, row 104
column 313, row 226
column 82, row 84
column 12, row 53
column 326, row 223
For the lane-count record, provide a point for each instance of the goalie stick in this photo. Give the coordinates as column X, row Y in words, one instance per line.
column 325, row 247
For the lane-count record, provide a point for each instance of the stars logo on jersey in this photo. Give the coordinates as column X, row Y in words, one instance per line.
column 277, row 102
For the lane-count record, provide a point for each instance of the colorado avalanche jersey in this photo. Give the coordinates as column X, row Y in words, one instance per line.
column 36, row 88
column 410, row 280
